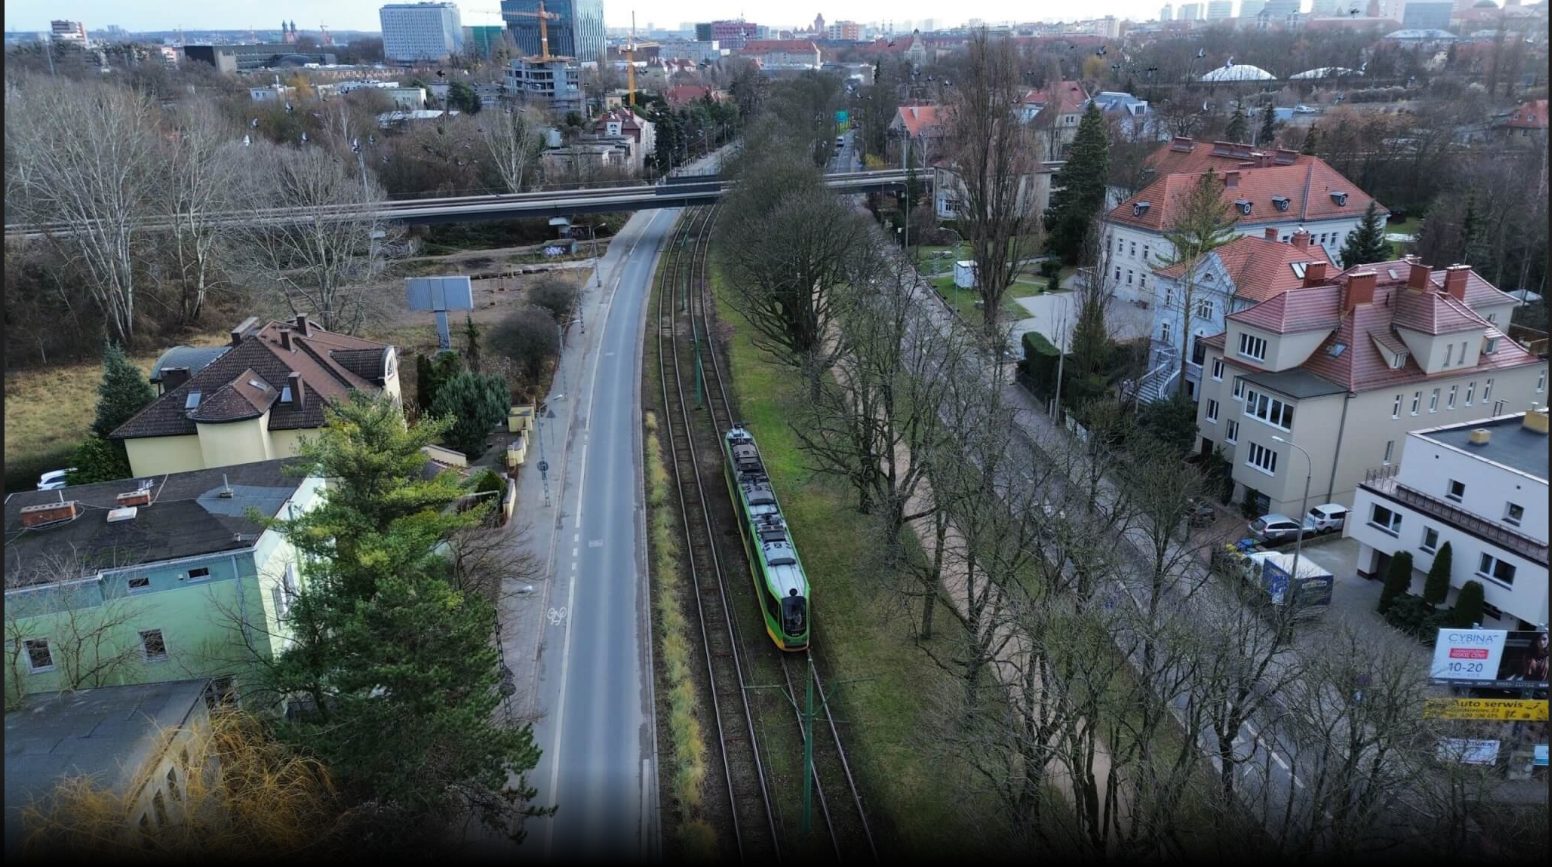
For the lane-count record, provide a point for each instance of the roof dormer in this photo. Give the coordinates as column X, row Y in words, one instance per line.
column 1339, row 197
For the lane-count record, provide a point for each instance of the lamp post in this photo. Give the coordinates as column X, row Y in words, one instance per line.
column 1298, row 544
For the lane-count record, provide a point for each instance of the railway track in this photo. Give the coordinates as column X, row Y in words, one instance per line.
column 837, row 798
column 748, row 799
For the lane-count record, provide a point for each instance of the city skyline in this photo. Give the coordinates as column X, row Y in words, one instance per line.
column 340, row 15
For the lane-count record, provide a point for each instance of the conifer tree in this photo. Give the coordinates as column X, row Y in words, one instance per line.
column 1268, row 135
column 1311, row 141
column 1079, row 188
column 1398, row 580
column 1238, row 126
column 123, row 391
column 1367, row 242
column 1438, row 584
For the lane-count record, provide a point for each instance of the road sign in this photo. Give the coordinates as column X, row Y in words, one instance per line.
column 544, row 466
column 1485, row 708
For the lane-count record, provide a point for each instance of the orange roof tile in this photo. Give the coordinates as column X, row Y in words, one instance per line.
column 1259, row 268
column 1312, row 191
column 1529, row 115
column 920, row 119
column 1182, row 154
column 1067, row 96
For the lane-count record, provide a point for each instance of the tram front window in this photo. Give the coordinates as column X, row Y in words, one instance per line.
column 794, row 613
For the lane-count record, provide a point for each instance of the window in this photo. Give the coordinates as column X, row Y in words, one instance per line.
column 172, row 784
column 1128, row 276
column 1217, row 369
column 1134, row 250
column 1169, row 296
column 1496, row 569
column 1251, row 346
column 39, row 659
column 1463, row 352
column 1145, row 252
column 1262, row 458
column 139, row 583
column 1487, row 391
column 1198, row 350
column 199, row 574
column 1231, row 432
column 1385, row 520
column 1164, row 333
column 1492, row 346
column 1390, row 450
column 1433, row 401
column 1449, row 354
column 1456, row 491
column 1514, row 513
column 1417, row 401
column 1239, row 387
column 1450, row 403
column 1395, row 408
column 1470, row 388
column 1430, row 540
column 1268, row 409
column 1118, row 275
column 1142, row 280
column 152, row 644
column 1204, row 308
column 1541, row 382
column 1212, row 411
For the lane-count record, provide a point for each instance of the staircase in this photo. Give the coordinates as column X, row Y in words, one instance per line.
column 1161, row 381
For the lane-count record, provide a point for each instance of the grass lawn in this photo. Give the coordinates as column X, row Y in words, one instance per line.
column 966, row 301
column 922, row 801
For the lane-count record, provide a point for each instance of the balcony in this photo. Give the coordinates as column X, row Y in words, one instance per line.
column 1383, row 482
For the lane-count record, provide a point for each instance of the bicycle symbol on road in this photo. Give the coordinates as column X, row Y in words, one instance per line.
column 556, row 615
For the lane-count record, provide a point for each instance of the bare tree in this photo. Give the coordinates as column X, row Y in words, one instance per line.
column 202, row 166
column 85, row 155
column 995, row 156
column 1202, row 224
column 513, row 137
column 319, row 256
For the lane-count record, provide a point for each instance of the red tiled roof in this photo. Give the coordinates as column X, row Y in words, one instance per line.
column 1308, row 187
column 768, row 46
column 1182, row 154
column 1067, row 96
column 330, row 366
column 683, row 94
column 919, row 119
column 1529, row 115
column 1433, row 313
column 1258, row 268
column 1303, row 309
column 1479, row 292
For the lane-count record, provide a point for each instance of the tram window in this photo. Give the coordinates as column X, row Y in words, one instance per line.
column 794, row 614
column 783, row 561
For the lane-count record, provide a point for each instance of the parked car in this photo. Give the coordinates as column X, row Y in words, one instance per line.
column 1275, row 529
column 54, row 479
column 1328, row 518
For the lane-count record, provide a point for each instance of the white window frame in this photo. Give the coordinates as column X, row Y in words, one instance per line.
column 1471, row 389
column 1249, row 342
column 1449, row 353
column 1205, row 309
column 1425, row 545
column 1395, row 408
column 1433, row 401
column 1217, row 369
column 1487, row 390
column 1393, row 527
column 1450, row 402
column 1239, row 387
column 1451, row 494
column 1231, row 432
column 1276, row 408
column 1269, row 457
column 1485, row 564
column 1491, row 347
column 1417, row 401
column 145, row 650
column 28, row 645
column 192, row 577
column 1390, row 451
column 1212, row 411
column 1510, row 517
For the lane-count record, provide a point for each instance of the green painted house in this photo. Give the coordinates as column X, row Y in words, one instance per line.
column 147, row 580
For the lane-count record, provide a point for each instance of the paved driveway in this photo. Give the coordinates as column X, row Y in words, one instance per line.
column 1053, row 314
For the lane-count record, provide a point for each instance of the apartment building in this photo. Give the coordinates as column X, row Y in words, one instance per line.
column 1481, row 488
column 1055, row 112
column 1345, row 368
column 420, row 32
column 782, row 54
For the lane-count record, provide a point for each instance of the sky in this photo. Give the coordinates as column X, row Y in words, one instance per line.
column 147, row 15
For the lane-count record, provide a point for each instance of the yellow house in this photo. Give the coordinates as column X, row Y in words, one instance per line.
column 256, row 400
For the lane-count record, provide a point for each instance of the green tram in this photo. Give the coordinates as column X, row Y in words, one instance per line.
column 773, row 561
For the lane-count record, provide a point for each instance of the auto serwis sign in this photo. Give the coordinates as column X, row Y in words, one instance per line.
column 1468, row 654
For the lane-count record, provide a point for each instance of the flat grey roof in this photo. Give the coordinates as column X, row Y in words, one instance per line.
column 1510, row 444
column 1296, row 383
column 106, row 733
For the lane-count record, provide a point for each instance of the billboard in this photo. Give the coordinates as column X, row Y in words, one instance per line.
column 1491, row 656
column 1485, row 708
column 1468, row 751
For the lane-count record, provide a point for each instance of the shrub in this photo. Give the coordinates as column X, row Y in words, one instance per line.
column 554, row 295
column 430, row 373
column 1039, row 363
column 98, row 460
column 1050, row 267
column 122, row 393
column 489, row 482
column 1414, row 616
column 1438, row 585
column 475, row 402
column 530, row 338
column 1468, row 605
column 1397, row 581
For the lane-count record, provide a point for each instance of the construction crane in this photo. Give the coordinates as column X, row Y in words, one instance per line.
column 630, row 65
column 544, row 30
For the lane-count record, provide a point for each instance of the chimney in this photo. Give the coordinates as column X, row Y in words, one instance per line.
column 1270, row 233
column 298, row 390
column 172, row 377
column 1480, row 437
column 243, row 329
column 285, row 338
column 1536, row 420
column 134, row 498
column 1301, row 239
column 49, row 513
column 1231, row 179
column 1417, row 275
column 301, row 324
column 1314, row 273
column 1360, row 290
column 1455, row 281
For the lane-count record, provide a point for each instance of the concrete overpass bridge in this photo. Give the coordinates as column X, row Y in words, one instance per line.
column 678, row 192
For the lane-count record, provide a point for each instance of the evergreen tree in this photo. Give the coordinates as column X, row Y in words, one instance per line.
column 471, row 350
column 475, row 402
column 1367, row 242
column 1473, row 235
column 1268, row 135
column 1398, row 580
column 98, row 460
column 1438, row 585
column 1468, row 605
column 123, row 391
column 1238, row 126
column 430, row 373
column 399, row 666
column 1079, row 188
column 1311, row 141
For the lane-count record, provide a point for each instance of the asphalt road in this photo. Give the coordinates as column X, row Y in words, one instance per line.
column 593, row 692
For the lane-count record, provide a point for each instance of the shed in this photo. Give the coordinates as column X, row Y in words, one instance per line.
column 964, row 274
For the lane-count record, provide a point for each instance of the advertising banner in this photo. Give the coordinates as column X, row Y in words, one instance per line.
column 1485, row 708
column 1491, row 656
column 1468, row 751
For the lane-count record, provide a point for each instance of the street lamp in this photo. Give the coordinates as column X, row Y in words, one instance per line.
column 1298, row 543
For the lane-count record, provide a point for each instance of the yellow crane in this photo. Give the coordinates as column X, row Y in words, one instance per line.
column 630, row 66
column 544, row 29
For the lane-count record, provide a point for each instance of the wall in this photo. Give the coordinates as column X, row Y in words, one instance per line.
column 153, row 456
column 238, row 442
column 1431, row 465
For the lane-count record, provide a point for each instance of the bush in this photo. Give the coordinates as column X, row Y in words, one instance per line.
column 1438, row 584
column 530, row 338
column 1414, row 616
column 430, row 373
column 476, row 402
column 1468, row 606
column 1397, row 581
column 1171, row 422
column 99, row 460
column 1039, row 364
column 554, row 295
column 489, row 482
column 1050, row 267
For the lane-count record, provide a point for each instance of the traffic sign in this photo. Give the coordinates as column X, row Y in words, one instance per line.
column 1485, row 708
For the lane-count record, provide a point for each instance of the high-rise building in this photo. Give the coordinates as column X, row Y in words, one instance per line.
column 1167, row 13
column 420, row 32
column 1190, row 11
column 69, row 33
column 1251, row 8
column 727, row 34
column 1281, row 10
column 1219, row 9
column 1427, row 15
column 1329, row 8
column 577, row 32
